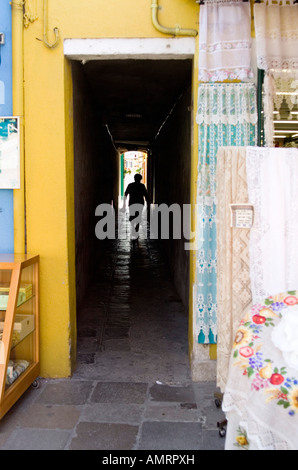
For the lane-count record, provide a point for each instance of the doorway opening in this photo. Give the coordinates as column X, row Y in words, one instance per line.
column 132, row 162
column 130, row 116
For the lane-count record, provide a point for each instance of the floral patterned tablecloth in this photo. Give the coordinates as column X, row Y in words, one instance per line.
column 261, row 395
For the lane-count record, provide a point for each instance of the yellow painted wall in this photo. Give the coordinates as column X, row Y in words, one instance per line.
column 49, row 147
column 47, row 214
column 193, row 198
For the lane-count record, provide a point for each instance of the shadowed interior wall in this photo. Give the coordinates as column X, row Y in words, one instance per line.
column 95, row 174
column 172, row 182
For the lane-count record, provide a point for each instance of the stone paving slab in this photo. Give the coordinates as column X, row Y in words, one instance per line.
column 157, row 435
column 157, row 411
column 130, row 413
column 104, row 436
column 161, row 392
column 65, row 392
column 119, row 392
column 37, row 439
column 50, row 417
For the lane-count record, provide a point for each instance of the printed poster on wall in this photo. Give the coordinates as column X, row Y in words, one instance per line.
column 9, row 153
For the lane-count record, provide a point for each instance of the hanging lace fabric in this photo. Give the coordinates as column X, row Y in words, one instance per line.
column 225, row 41
column 272, row 179
column 280, row 89
column 233, row 267
column 226, row 116
column 276, row 27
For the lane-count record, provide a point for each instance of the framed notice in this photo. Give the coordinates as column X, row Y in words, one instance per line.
column 9, row 153
column 242, row 215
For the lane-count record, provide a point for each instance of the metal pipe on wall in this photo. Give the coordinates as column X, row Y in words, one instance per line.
column 176, row 31
column 45, row 28
column 18, row 110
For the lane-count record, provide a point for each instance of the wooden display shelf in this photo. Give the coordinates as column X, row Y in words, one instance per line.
column 16, row 270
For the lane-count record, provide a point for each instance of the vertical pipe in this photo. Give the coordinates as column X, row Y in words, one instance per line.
column 18, row 110
column 6, row 195
column 260, row 106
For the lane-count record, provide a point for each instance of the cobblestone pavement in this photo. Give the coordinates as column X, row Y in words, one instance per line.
column 132, row 388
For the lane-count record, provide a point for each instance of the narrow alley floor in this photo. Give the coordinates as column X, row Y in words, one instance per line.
column 132, row 389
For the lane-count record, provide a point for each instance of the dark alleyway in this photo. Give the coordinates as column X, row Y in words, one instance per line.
column 132, row 389
column 134, row 326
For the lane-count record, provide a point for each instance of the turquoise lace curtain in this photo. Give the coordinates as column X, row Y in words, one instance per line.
column 226, row 116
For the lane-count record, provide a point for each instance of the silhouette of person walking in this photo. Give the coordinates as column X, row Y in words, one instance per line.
column 137, row 192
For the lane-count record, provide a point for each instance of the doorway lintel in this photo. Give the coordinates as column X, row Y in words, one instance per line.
column 129, row 48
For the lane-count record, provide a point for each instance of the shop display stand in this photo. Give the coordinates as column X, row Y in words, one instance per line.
column 19, row 327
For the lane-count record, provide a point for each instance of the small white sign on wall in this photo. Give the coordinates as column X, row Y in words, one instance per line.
column 9, row 153
column 242, row 215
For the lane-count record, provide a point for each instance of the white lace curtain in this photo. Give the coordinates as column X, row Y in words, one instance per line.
column 225, row 41
column 272, row 180
column 276, row 27
column 280, row 87
column 233, row 274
